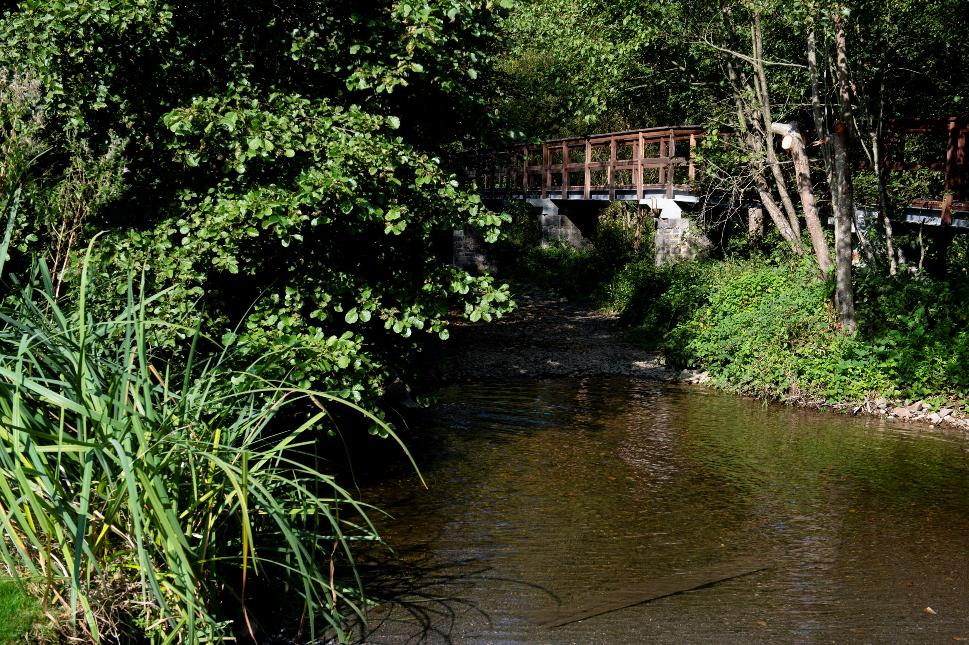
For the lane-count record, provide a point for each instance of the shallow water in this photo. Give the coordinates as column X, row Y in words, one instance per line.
column 552, row 497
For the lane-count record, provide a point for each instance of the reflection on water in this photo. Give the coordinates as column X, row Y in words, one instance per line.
column 553, row 496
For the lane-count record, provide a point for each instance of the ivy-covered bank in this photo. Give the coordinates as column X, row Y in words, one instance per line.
column 763, row 325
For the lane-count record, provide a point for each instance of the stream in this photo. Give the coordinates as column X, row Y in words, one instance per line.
column 623, row 510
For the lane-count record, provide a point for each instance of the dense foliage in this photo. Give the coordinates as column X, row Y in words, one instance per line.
column 275, row 226
column 280, row 166
column 276, row 177
column 142, row 499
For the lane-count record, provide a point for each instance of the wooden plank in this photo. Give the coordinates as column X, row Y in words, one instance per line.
column 638, row 171
column 936, row 204
column 692, row 170
column 587, row 190
column 648, row 591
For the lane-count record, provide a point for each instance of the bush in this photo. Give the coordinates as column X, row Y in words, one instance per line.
column 918, row 331
column 769, row 330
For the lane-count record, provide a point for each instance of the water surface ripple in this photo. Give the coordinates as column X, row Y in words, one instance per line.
column 552, row 496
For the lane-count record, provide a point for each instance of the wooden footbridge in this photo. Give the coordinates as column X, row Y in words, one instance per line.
column 657, row 166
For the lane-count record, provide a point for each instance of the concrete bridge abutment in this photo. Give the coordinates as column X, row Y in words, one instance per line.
column 562, row 222
column 573, row 223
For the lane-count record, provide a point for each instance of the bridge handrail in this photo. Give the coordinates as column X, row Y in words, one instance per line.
column 515, row 169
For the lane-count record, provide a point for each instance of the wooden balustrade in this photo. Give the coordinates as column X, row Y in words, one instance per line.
column 623, row 165
column 954, row 133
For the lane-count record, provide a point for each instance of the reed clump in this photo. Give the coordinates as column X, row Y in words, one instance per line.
column 141, row 500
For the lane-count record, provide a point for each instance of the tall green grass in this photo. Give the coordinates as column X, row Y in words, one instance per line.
column 141, row 501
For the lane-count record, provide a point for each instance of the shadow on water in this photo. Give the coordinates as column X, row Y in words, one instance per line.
column 421, row 600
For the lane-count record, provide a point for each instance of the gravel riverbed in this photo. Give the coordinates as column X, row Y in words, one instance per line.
column 548, row 337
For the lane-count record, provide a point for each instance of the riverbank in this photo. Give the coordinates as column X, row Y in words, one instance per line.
column 550, row 336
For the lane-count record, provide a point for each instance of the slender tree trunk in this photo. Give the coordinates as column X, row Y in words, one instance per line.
column 763, row 99
column 843, row 206
column 881, row 174
column 844, row 290
column 794, row 142
column 755, row 144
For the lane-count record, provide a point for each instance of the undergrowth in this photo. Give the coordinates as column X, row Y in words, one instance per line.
column 764, row 325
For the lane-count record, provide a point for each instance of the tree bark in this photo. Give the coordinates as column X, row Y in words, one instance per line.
column 794, row 142
column 755, row 144
column 844, row 290
column 843, row 206
column 881, row 173
column 763, row 99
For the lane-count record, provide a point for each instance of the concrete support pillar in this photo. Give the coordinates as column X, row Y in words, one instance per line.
column 471, row 253
column 556, row 224
column 676, row 242
column 755, row 222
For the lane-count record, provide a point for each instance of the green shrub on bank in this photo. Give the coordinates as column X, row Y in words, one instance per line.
column 769, row 330
column 146, row 501
column 765, row 326
column 919, row 328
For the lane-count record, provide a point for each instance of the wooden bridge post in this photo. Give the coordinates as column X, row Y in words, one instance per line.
column 525, row 174
column 546, row 171
column 638, row 166
column 662, row 155
column 565, row 170
column 955, row 160
column 692, row 166
column 611, row 172
column 587, row 189
column 510, row 172
column 671, row 173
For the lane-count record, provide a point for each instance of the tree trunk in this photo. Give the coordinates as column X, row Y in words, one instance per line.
column 844, row 294
column 843, row 206
column 763, row 99
column 884, row 204
column 755, row 144
column 802, row 169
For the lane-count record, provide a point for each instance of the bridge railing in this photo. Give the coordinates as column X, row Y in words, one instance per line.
column 617, row 165
column 949, row 134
